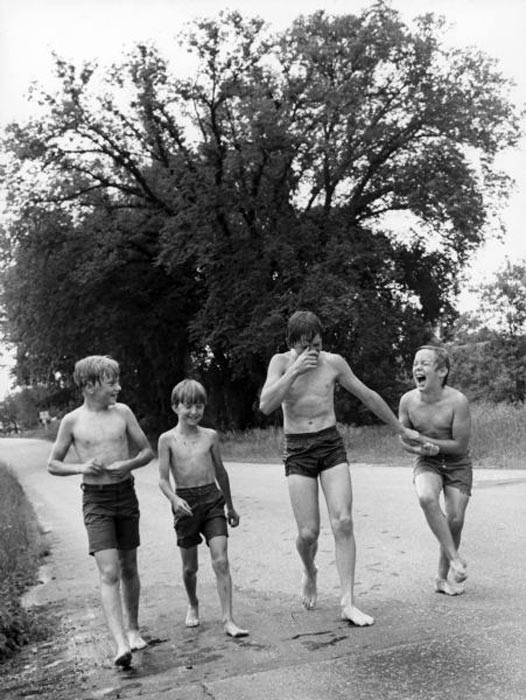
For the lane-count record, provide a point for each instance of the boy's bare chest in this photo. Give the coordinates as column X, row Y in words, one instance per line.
column 94, row 430
column 316, row 382
column 437, row 417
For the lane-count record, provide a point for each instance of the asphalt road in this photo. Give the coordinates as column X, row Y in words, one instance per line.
column 423, row 645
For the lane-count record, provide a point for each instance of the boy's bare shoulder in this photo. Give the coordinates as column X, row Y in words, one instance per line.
column 409, row 396
column 167, row 435
column 455, row 396
column 208, row 433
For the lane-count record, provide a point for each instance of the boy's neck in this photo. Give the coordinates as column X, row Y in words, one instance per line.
column 185, row 429
column 93, row 405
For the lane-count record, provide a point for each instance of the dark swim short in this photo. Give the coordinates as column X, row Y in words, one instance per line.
column 455, row 470
column 208, row 516
column 111, row 515
column 308, row 454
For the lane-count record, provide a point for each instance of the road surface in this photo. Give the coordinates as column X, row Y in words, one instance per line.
column 423, row 645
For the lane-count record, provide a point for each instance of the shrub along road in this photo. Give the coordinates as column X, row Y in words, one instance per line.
column 423, row 645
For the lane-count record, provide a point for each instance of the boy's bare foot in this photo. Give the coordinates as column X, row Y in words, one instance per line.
column 234, row 631
column 357, row 617
column 442, row 585
column 123, row 659
column 309, row 591
column 192, row 616
column 136, row 641
column 458, row 570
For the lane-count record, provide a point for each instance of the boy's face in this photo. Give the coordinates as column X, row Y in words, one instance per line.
column 106, row 390
column 189, row 413
column 426, row 372
column 313, row 345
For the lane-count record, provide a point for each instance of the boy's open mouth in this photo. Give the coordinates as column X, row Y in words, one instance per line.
column 420, row 379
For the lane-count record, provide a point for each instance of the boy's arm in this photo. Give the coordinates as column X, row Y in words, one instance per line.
column 63, row 442
column 425, row 448
column 138, row 439
column 371, row 399
column 279, row 380
column 223, row 481
column 179, row 505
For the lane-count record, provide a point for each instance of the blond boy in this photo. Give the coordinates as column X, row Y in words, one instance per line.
column 100, row 431
column 443, row 464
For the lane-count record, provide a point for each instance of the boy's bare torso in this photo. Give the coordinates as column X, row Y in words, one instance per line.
column 191, row 462
column 100, row 436
column 433, row 418
column 309, row 405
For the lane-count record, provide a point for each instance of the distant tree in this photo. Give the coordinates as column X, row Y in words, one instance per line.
column 490, row 344
column 177, row 222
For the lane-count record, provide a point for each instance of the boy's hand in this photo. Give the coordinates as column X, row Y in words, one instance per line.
column 92, row 467
column 117, row 469
column 428, row 448
column 411, row 436
column 181, row 507
column 306, row 360
column 232, row 517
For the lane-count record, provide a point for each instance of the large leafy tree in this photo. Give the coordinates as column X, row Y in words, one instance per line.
column 182, row 220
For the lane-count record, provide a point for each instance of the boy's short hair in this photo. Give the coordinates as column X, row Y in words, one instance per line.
column 188, row 391
column 302, row 325
column 442, row 358
column 93, row 369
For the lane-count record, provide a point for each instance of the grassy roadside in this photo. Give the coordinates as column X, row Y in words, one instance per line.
column 498, row 441
column 21, row 549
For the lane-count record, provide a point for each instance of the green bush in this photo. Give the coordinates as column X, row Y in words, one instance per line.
column 21, row 547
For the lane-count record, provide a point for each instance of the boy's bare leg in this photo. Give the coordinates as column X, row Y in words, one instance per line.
column 336, row 484
column 189, row 558
column 219, row 554
column 428, row 488
column 303, row 492
column 455, row 504
column 109, row 574
column 131, row 589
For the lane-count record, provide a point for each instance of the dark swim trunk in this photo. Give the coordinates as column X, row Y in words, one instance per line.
column 111, row 515
column 455, row 470
column 309, row 454
column 208, row 515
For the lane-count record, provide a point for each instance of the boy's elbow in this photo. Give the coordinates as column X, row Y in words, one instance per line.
column 264, row 406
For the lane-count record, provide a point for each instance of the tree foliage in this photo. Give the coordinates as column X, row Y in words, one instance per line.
column 176, row 222
column 489, row 351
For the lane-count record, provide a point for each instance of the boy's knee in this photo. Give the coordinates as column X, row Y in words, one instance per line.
column 220, row 565
column 190, row 570
column 427, row 500
column 110, row 575
column 342, row 524
column 308, row 535
column 456, row 523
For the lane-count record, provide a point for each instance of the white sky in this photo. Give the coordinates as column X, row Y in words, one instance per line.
column 85, row 29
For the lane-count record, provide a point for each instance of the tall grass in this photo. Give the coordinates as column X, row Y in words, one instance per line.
column 498, row 441
column 21, row 547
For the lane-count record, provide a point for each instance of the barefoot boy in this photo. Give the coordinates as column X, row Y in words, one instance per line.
column 191, row 455
column 100, row 431
column 302, row 381
column 441, row 414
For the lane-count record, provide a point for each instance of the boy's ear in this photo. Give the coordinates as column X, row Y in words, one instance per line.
column 174, row 407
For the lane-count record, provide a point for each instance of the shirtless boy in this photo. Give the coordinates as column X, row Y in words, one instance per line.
column 302, row 380
column 441, row 414
column 190, row 454
column 100, row 431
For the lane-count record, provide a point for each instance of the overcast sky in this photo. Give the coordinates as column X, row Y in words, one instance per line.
column 86, row 29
